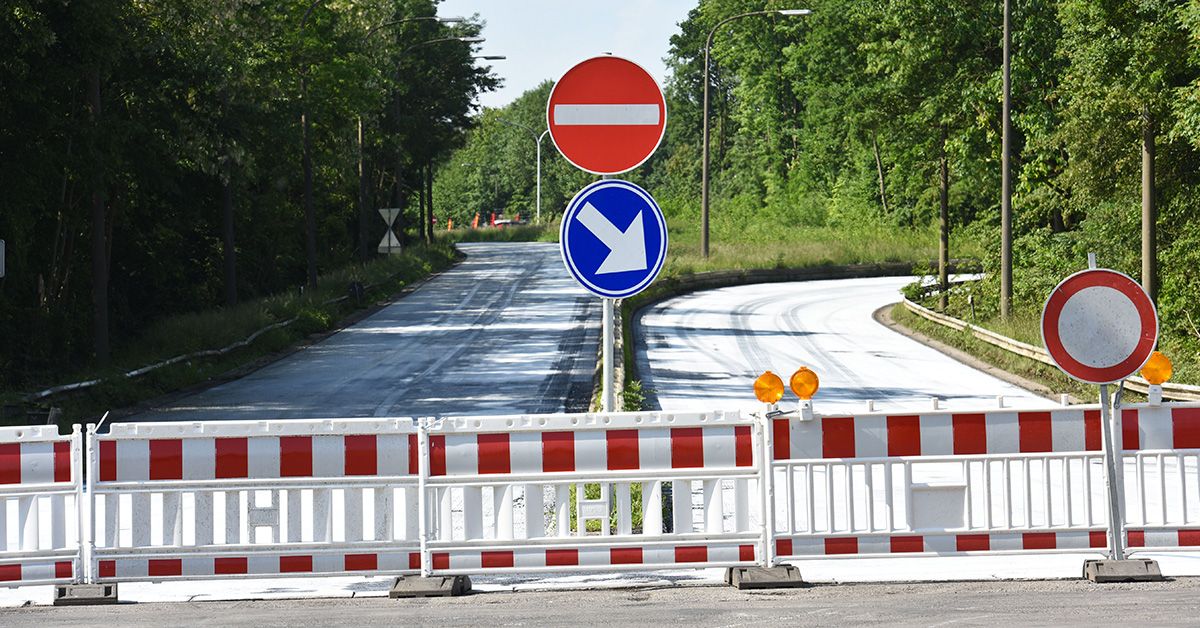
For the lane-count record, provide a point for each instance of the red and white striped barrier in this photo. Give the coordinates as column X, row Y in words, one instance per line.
column 497, row 479
column 254, row 499
column 586, row 492
column 39, row 473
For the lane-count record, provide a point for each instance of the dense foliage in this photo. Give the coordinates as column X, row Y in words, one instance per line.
column 151, row 151
column 841, row 119
column 153, row 161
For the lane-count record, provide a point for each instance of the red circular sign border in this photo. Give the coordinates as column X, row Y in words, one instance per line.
column 1091, row 278
column 663, row 124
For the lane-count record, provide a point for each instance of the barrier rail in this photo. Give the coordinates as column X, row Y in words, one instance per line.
column 584, row 492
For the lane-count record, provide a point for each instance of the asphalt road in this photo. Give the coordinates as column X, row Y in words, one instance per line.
column 964, row 604
column 506, row 332
column 703, row 350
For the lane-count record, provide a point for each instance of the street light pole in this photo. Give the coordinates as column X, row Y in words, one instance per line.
column 536, row 140
column 704, row 168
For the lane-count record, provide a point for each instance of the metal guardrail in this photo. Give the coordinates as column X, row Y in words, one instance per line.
column 1176, row 392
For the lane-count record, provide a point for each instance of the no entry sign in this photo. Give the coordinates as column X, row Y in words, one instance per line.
column 606, row 115
column 1099, row 326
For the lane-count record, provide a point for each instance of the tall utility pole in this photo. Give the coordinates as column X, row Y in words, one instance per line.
column 1006, row 175
column 1149, row 210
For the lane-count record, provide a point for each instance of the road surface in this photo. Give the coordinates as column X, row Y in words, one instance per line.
column 505, row 332
column 703, row 350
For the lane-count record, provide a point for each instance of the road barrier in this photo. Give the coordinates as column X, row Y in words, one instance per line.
column 582, row 492
column 41, row 505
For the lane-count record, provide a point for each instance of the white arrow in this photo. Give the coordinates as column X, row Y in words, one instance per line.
column 627, row 250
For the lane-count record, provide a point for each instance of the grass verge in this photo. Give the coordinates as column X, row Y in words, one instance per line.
column 315, row 311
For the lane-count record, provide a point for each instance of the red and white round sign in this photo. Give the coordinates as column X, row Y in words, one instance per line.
column 606, row 115
column 1099, row 326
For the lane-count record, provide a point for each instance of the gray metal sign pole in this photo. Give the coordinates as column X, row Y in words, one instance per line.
column 1113, row 476
column 609, row 393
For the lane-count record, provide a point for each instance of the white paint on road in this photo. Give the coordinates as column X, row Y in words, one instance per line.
column 703, row 350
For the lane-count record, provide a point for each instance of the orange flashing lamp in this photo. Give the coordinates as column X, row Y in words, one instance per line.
column 805, row 383
column 1157, row 369
column 768, row 387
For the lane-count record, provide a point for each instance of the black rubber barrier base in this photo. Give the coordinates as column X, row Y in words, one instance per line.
column 85, row 594
column 1140, row 570
column 781, row 577
column 436, row 586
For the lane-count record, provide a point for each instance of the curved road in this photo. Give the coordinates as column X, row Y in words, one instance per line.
column 702, row 351
column 505, row 332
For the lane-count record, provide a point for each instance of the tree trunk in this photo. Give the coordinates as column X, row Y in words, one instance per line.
column 422, row 221
column 429, row 196
column 99, row 239
column 944, row 235
column 231, row 298
column 310, row 218
column 362, row 197
column 879, row 167
column 1149, row 210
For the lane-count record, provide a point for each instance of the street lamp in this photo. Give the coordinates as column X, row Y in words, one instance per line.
column 704, row 170
column 489, row 57
column 537, row 140
column 362, row 173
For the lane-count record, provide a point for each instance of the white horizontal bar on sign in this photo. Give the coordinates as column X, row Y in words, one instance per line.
column 605, row 115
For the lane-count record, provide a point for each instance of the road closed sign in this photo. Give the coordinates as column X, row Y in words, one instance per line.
column 606, row 115
column 1099, row 326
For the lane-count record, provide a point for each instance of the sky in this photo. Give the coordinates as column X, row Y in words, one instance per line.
column 542, row 39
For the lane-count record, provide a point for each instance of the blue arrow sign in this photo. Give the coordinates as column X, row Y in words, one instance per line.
column 613, row 238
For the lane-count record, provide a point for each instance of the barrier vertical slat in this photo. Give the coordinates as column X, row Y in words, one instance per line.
column 1066, row 493
column 1048, row 511
column 202, row 501
column 810, row 488
column 4, row 525
column 652, row 508
column 621, row 493
column 172, row 525
column 444, row 524
column 322, row 515
column 1140, row 471
column 1162, row 486
column 741, row 500
column 353, row 501
column 533, row 521
column 414, row 510
column 384, row 521
column 472, row 509
column 889, row 496
column 503, row 503
column 1181, row 464
column 27, row 522
column 713, row 511
column 562, row 509
column 681, row 507
column 58, row 515
column 869, row 476
column 233, row 517
column 140, row 523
